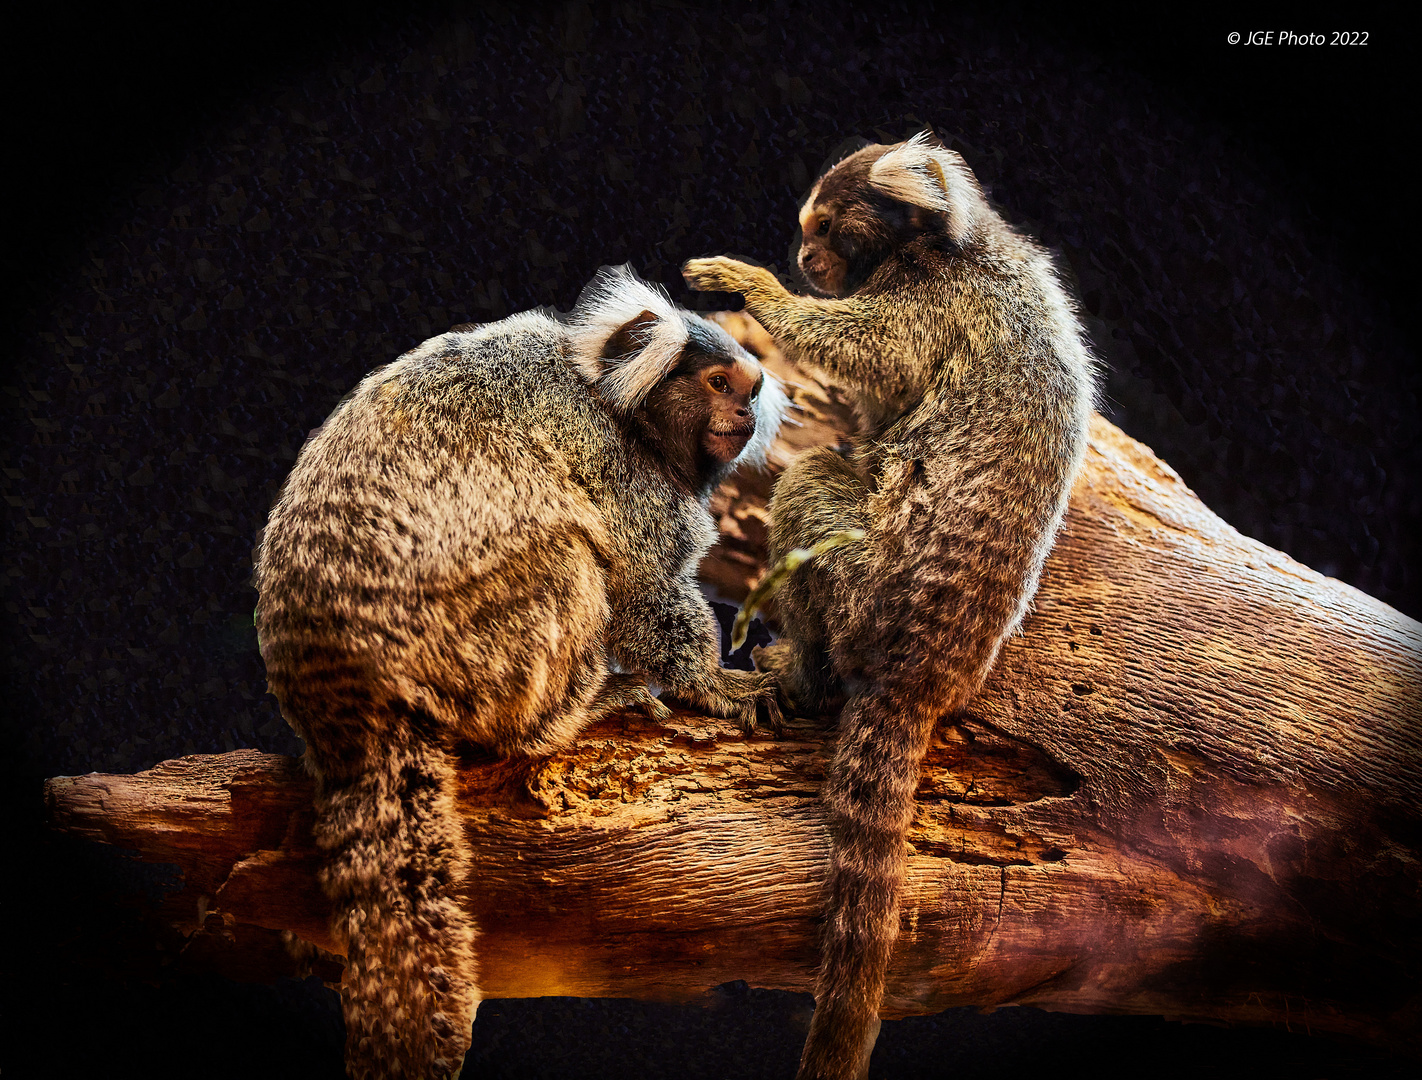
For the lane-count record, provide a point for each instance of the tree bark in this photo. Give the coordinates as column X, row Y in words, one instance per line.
column 1191, row 787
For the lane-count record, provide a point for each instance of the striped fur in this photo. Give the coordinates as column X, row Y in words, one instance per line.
column 965, row 362
column 461, row 553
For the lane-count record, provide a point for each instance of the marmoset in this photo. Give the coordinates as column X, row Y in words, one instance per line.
column 965, row 361
column 461, row 553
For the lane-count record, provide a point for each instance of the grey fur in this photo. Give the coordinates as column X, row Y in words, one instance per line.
column 965, row 362
column 460, row 553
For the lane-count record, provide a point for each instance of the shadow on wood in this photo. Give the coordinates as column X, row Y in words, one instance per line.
column 1192, row 787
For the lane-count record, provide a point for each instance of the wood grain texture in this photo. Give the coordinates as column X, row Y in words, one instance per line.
column 1191, row 787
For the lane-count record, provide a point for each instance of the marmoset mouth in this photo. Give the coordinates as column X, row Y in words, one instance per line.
column 744, row 431
column 820, row 278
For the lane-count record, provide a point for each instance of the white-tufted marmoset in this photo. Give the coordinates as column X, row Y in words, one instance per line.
column 964, row 359
column 462, row 552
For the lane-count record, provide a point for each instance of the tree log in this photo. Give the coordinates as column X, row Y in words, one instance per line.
column 1191, row 788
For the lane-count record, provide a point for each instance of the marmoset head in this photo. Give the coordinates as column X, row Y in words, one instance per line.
column 696, row 394
column 878, row 199
column 715, row 390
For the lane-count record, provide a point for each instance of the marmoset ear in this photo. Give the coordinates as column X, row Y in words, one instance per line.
column 627, row 336
column 922, row 173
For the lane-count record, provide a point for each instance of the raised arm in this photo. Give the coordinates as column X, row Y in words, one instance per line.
column 848, row 338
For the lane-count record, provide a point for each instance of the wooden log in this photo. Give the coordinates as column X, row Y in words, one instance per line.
column 1191, row 787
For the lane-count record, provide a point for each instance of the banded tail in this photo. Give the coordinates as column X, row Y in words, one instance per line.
column 396, row 860
column 869, row 798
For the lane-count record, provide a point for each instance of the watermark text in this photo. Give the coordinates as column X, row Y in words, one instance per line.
column 1294, row 38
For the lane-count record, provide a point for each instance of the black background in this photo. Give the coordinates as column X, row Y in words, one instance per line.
column 220, row 222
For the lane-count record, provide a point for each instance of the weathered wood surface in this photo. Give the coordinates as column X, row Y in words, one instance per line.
column 1192, row 787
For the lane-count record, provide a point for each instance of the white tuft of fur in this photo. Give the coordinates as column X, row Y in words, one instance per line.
column 769, row 410
column 614, row 298
column 925, row 175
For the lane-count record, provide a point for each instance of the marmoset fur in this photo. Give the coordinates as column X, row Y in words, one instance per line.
column 461, row 553
column 965, row 361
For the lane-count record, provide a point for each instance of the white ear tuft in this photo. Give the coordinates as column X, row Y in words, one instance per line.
column 615, row 299
column 925, row 175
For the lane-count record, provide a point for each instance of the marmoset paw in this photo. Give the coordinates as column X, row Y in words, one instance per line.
column 757, row 701
column 654, row 710
column 718, row 274
column 747, row 697
column 800, row 693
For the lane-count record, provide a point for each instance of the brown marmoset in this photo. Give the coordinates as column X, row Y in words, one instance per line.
column 965, row 361
column 463, row 552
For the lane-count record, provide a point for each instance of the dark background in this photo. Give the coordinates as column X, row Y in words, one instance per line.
column 220, row 222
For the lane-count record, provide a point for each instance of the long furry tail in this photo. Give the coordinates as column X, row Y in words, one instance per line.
column 869, row 798
column 396, row 857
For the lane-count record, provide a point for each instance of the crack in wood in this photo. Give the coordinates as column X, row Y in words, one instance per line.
column 1227, row 815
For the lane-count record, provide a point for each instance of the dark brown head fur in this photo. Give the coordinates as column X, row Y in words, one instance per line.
column 702, row 416
column 860, row 213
